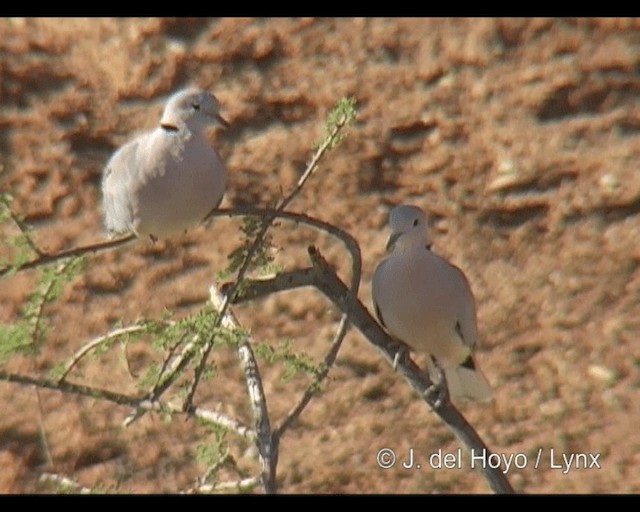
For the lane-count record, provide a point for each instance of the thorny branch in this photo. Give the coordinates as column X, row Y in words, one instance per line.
column 298, row 279
column 46, row 258
column 329, row 142
column 128, row 400
column 267, row 446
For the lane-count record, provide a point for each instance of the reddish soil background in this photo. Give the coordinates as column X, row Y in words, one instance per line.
column 520, row 137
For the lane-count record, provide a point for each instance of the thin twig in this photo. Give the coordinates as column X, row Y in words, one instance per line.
column 135, row 402
column 169, row 372
column 94, row 343
column 170, row 362
column 214, row 468
column 42, row 430
column 25, row 232
column 46, row 258
column 175, row 370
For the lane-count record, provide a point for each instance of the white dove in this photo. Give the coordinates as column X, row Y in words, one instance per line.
column 167, row 180
column 426, row 302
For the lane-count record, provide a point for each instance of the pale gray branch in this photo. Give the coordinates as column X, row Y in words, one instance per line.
column 94, row 343
column 264, row 287
column 267, row 451
column 219, row 419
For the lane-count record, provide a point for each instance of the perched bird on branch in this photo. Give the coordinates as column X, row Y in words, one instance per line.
column 426, row 303
column 167, row 180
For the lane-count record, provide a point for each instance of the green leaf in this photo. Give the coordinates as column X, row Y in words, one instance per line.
column 340, row 117
column 14, row 339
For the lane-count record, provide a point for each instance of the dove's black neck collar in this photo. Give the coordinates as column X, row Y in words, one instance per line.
column 169, row 127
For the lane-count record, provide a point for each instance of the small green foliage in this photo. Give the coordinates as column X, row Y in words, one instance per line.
column 57, row 371
column 14, row 339
column 26, row 335
column 262, row 256
column 342, row 115
column 294, row 363
column 167, row 334
column 20, row 245
column 150, row 377
column 211, row 454
column 5, row 206
column 52, row 281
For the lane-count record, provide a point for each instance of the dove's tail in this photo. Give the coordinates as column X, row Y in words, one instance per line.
column 467, row 381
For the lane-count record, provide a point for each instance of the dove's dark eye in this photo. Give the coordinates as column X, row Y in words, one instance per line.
column 195, row 106
column 415, row 222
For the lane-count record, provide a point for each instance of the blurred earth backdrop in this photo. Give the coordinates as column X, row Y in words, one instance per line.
column 521, row 137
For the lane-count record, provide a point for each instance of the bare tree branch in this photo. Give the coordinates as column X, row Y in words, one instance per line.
column 264, row 287
column 267, row 454
column 94, row 343
column 350, row 243
column 130, row 401
column 295, row 279
column 45, row 258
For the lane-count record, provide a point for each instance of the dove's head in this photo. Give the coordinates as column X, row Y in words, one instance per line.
column 409, row 227
column 192, row 107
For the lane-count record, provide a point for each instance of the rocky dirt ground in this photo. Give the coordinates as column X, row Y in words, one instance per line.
column 520, row 137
